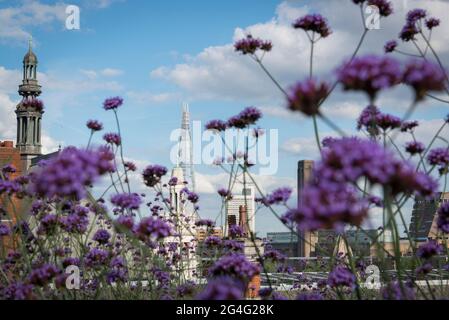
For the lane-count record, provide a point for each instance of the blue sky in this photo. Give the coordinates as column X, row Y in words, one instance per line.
column 157, row 54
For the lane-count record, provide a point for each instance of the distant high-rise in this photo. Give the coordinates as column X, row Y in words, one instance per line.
column 185, row 149
column 306, row 240
column 242, row 201
column 423, row 216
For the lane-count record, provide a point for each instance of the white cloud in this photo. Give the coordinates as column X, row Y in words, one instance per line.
column 7, row 118
column 306, row 148
column 107, row 72
column 144, row 97
column 218, row 72
column 343, row 110
column 110, row 72
column 9, row 80
column 18, row 20
column 210, row 183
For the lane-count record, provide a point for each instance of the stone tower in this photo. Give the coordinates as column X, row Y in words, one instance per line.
column 183, row 218
column 29, row 112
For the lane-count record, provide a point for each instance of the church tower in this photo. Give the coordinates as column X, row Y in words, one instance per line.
column 29, row 112
column 183, row 218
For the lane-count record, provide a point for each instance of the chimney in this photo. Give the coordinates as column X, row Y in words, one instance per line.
column 243, row 223
column 6, row 144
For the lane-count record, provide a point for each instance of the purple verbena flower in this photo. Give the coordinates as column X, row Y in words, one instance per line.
column 4, row 230
column 43, row 275
column 314, row 23
column 153, row 228
column 370, row 74
column 432, row 23
column 223, row 288
column 408, row 32
column 112, row 103
column 130, row 201
column 96, row 257
column 443, row 217
column 17, row 291
column 234, row 245
column 217, row 125
column 424, row 76
column 102, row 236
column 438, row 156
column 247, row 117
column 152, row 174
column 235, row 265
column 250, row 45
column 414, row 147
column 306, row 96
column 236, row 231
column 225, row 193
column 396, row 291
column 341, row 277
column 429, row 249
column 33, row 103
column 384, row 6
column 205, row 222
column 212, row 241
column 390, row 46
column 279, row 196
column 388, row 121
column 68, row 174
column 416, row 14
column 274, row 255
column 94, row 125
column 113, row 138
column 409, row 126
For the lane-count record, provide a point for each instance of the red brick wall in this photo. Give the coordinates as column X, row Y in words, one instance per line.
column 9, row 155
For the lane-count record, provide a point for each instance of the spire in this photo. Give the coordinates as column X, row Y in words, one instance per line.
column 30, row 86
column 185, row 148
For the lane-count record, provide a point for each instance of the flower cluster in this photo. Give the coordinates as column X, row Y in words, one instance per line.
column 234, row 265
column 223, row 288
column 153, row 228
column 250, row 45
column 390, row 46
column 217, row 125
column 372, row 119
column 398, row 291
column 424, row 76
column 443, row 217
column 112, row 103
column 113, row 138
column 370, row 74
column 414, row 147
column 247, row 117
column 94, row 125
column 331, row 200
column 279, row 196
column 341, row 277
column 68, row 174
column 307, row 96
column 429, row 249
column 33, row 103
column 152, row 174
column 130, row 201
column 314, row 23
column 439, row 157
column 384, row 6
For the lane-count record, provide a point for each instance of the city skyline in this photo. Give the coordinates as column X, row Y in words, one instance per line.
column 79, row 68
